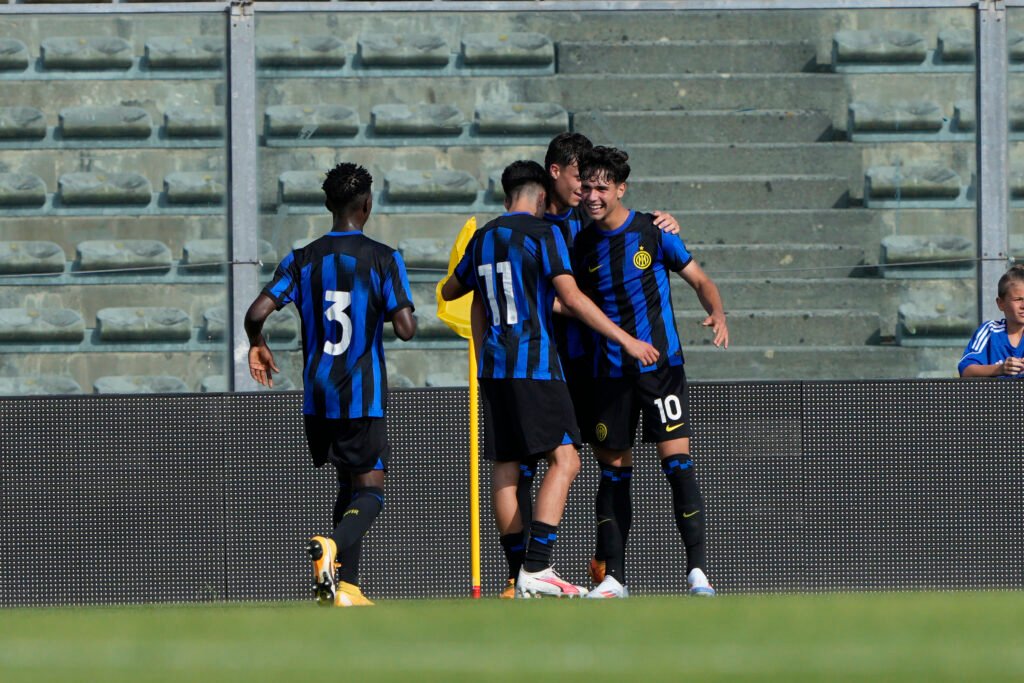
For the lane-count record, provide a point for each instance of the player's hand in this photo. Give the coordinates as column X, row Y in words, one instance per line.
column 642, row 351
column 261, row 364
column 717, row 323
column 1013, row 366
column 666, row 222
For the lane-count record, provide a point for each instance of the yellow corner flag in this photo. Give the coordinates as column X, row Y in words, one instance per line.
column 456, row 314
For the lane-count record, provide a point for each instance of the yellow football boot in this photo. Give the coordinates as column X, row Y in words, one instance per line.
column 322, row 551
column 510, row 590
column 349, row 595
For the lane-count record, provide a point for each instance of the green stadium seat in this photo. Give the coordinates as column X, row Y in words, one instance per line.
column 195, row 187
column 140, row 384
column 403, row 50
column 185, row 52
column 520, row 118
column 507, row 49
column 146, row 324
column 281, row 326
column 912, row 182
column 892, row 117
column 194, row 122
column 21, row 189
column 417, row 119
column 956, row 45
column 965, row 115
column 117, row 254
column 926, row 256
column 1015, row 45
column 925, row 322
column 105, row 122
column 301, row 187
column 44, row 385
column 878, row 47
column 300, row 51
column 309, row 121
column 18, row 257
column 13, row 55
column 84, row 189
column 25, row 123
column 497, row 192
column 87, row 53
column 21, row 325
column 214, row 384
column 423, row 252
column 433, row 186
column 207, row 255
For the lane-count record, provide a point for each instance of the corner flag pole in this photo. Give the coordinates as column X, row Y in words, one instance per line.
column 456, row 314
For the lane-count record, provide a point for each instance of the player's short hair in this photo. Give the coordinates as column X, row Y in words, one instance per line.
column 346, row 183
column 1011, row 277
column 566, row 149
column 519, row 174
column 607, row 162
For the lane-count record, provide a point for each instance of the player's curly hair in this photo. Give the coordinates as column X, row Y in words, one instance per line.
column 566, row 149
column 1011, row 277
column 346, row 183
column 518, row 174
column 607, row 162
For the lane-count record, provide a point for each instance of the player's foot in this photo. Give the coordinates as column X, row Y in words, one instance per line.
column 545, row 583
column 510, row 590
column 322, row 551
column 698, row 584
column 349, row 595
column 596, row 569
column 609, row 588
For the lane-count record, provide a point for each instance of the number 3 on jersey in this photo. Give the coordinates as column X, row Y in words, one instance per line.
column 336, row 313
column 504, row 268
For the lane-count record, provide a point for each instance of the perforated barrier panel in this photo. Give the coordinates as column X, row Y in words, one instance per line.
column 809, row 487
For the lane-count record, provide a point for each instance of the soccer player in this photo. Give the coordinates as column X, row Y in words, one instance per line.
column 516, row 263
column 345, row 286
column 623, row 262
column 563, row 210
column 995, row 349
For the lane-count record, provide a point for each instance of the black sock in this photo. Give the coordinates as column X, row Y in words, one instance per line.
column 612, row 492
column 540, row 546
column 358, row 516
column 514, row 546
column 349, row 559
column 688, row 507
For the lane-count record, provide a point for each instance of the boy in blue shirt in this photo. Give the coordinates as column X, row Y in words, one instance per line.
column 995, row 349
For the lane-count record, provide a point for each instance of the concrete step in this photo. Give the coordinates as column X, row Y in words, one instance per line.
column 610, row 27
column 686, row 56
column 740, row 192
column 705, row 126
column 657, row 159
column 779, row 261
column 874, row 295
column 823, row 327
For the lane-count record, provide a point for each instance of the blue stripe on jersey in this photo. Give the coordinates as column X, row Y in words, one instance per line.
column 377, row 404
column 283, row 290
column 390, row 284
column 637, row 301
column 308, row 325
column 329, row 280
column 668, row 317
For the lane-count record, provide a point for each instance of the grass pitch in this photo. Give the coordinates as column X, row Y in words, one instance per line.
column 837, row 637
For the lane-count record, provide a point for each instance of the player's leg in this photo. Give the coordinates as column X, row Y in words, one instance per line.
column 505, row 478
column 667, row 423
column 321, row 548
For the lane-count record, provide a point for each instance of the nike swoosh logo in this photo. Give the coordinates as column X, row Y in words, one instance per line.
column 672, row 428
column 596, row 268
column 691, row 514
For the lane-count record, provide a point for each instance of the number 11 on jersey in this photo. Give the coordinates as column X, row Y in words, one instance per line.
column 504, row 268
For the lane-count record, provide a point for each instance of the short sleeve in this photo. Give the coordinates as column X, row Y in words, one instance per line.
column 464, row 271
column 285, row 283
column 977, row 351
column 674, row 254
column 555, row 254
column 397, row 293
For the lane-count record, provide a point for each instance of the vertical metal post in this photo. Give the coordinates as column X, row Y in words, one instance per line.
column 993, row 161
column 243, row 216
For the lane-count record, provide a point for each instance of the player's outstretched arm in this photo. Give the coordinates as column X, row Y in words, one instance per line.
column 404, row 323
column 579, row 305
column 666, row 222
column 710, row 299
column 261, row 360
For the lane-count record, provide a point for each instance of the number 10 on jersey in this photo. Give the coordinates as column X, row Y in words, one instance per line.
column 504, row 268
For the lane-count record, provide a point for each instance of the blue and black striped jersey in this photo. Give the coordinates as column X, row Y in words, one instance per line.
column 510, row 262
column 626, row 272
column 344, row 285
column 571, row 336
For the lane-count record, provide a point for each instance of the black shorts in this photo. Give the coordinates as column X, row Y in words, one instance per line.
column 618, row 401
column 581, row 388
column 524, row 419
column 358, row 445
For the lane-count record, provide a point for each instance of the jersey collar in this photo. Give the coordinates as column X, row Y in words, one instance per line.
column 344, row 233
column 621, row 228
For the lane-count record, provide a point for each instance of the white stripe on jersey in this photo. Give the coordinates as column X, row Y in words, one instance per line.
column 982, row 335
